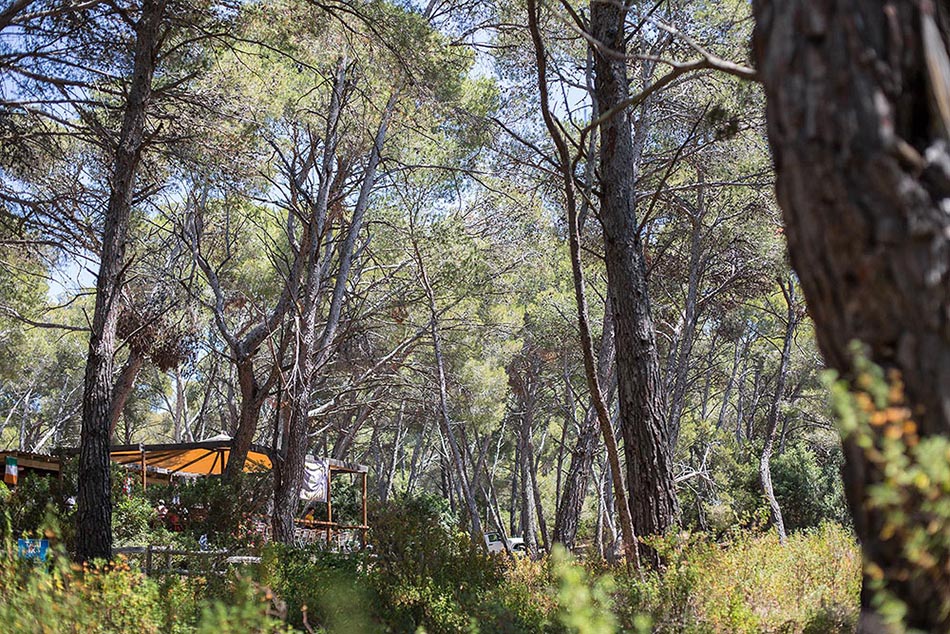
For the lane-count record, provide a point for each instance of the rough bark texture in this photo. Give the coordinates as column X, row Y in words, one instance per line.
column 863, row 181
column 653, row 501
column 94, row 534
column 565, row 165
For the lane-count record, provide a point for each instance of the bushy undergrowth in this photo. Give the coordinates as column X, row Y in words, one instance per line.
column 116, row 598
column 750, row 584
column 424, row 575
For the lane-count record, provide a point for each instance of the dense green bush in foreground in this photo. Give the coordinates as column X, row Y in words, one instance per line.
column 426, row 576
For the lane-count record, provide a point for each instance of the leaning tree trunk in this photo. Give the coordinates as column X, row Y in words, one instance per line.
column 123, row 388
column 691, row 313
column 858, row 118
column 580, row 470
column 765, row 460
column 94, row 534
column 462, row 485
column 653, row 501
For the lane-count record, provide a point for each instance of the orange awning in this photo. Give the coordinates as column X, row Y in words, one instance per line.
column 198, row 458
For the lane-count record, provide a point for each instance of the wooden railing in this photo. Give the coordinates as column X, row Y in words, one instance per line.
column 160, row 559
column 313, row 531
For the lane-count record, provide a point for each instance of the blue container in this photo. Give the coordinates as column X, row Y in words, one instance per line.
column 33, row 548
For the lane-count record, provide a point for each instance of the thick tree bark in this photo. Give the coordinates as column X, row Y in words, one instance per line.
column 566, row 168
column 94, row 534
column 253, row 395
column 858, row 128
column 640, row 388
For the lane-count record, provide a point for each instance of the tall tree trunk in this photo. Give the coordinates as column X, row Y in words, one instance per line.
column 765, row 469
column 741, row 348
column 416, row 459
column 291, row 460
column 513, row 526
column 313, row 351
column 640, row 388
column 386, row 482
column 684, row 351
column 566, row 168
column 538, row 506
column 576, row 482
column 528, row 524
column 94, row 534
column 462, row 486
column 123, row 388
column 858, row 119
column 599, row 522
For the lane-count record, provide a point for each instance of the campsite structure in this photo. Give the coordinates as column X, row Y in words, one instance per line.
column 158, row 464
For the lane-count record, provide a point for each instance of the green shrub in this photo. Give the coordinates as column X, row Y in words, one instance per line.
column 133, row 521
column 327, row 589
column 809, row 490
column 524, row 602
column 223, row 511
column 35, row 504
column 428, row 573
column 116, row 598
column 752, row 584
column 61, row 598
column 584, row 602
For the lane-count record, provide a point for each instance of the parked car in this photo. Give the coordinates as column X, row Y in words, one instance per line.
column 495, row 544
